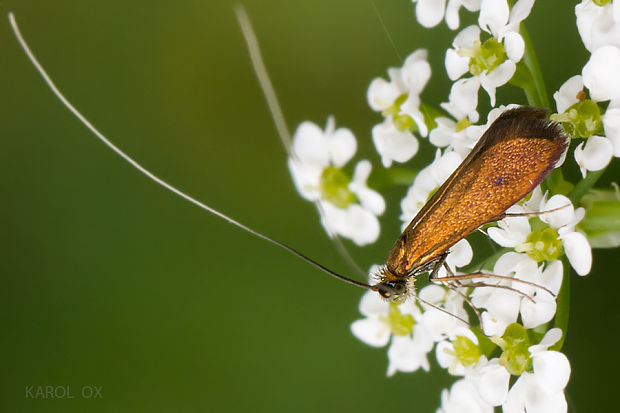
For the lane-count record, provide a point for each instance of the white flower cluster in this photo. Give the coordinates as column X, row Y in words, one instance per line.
column 348, row 207
column 515, row 302
column 523, row 302
column 491, row 62
column 599, row 28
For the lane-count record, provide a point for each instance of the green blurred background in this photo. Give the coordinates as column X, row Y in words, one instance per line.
column 109, row 280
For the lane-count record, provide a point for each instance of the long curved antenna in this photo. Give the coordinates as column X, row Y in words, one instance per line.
column 156, row 179
column 278, row 117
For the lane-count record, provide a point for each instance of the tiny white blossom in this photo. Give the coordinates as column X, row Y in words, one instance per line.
column 430, row 13
column 408, row 80
column 597, row 153
column 408, row 354
column 440, row 324
column 598, row 25
column 542, row 390
column 513, row 231
column 409, row 348
column 463, row 398
column 315, row 151
column 446, row 356
column 503, row 24
column 504, row 306
column 462, row 104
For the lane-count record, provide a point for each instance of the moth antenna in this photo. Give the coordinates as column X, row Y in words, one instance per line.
column 258, row 64
column 153, row 177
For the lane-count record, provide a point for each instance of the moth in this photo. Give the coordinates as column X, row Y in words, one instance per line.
column 512, row 157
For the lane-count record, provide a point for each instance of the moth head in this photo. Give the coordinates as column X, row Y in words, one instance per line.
column 391, row 287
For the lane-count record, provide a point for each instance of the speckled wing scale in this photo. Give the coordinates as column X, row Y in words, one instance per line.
column 512, row 157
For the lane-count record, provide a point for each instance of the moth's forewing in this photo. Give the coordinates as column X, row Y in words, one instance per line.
column 512, row 157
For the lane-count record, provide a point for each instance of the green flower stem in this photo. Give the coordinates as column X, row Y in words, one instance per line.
column 584, row 186
column 536, row 96
column 563, row 305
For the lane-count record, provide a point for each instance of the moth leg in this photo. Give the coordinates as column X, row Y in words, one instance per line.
column 454, row 285
column 499, row 277
column 457, row 290
column 503, row 287
column 532, row 214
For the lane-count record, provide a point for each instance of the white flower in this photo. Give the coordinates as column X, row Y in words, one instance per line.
column 441, row 324
column 503, row 24
column 462, row 104
column 600, row 74
column 542, row 390
column 446, row 355
column 408, row 81
column 598, row 150
column 567, row 94
column 408, row 354
column 463, row 99
column 426, row 181
column 353, row 222
column 598, row 25
column 316, row 151
column 513, row 231
column 429, row 13
column 463, row 398
column 504, row 306
column 393, row 144
column 595, row 155
column 402, row 323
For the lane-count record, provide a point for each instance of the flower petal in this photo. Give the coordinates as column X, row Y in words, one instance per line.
column 456, row 66
column 371, row 331
column 342, row 146
column 550, row 338
column 405, row 355
column 381, row 94
column 611, row 123
column 493, row 15
column 514, row 46
column 552, row 370
column 416, row 71
column 371, row 305
column 600, row 74
column 463, row 99
column 596, row 154
column 369, row 199
column 566, row 96
column 393, row 144
column 430, row 12
column 538, row 312
column 310, row 144
column 497, row 77
column 563, row 213
column 493, row 383
column 578, row 252
column 460, row 254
